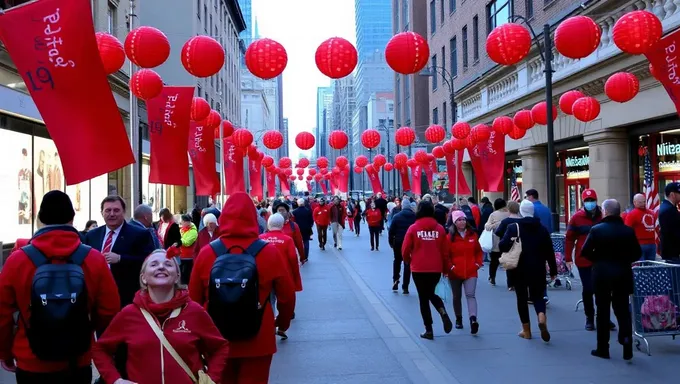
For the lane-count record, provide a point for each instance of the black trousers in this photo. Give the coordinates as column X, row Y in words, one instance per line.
column 524, row 293
column 396, row 267
column 612, row 291
column 375, row 236
column 426, row 282
column 357, row 224
column 323, row 234
column 82, row 375
column 185, row 268
column 493, row 269
column 586, row 274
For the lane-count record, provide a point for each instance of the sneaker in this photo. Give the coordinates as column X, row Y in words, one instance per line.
column 474, row 325
column 459, row 323
column 377, row 249
column 339, row 248
column 395, row 286
column 371, row 249
column 590, row 324
column 405, row 291
column 492, row 281
column 599, row 353
column 335, row 245
column 448, row 325
column 427, row 335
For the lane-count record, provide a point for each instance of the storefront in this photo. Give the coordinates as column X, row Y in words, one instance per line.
column 662, row 151
column 573, row 177
column 513, row 171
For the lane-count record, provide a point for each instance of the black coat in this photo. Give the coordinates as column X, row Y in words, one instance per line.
column 537, row 250
column 172, row 235
column 381, row 204
column 669, row 231
column 440, row 214
column 400, row 224
column 305, row 220
column 487, row 210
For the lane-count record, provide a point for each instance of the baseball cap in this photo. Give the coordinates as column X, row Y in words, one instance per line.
column 589, row 194
column 672, row 187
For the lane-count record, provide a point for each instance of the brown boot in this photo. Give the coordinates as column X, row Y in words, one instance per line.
column 543, row 326
column 526, row 331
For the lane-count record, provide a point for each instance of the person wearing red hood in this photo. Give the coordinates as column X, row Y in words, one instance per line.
column 161, row 305
column 285, row 246
column 291, row 229
column 57, row 241
column 249, row 360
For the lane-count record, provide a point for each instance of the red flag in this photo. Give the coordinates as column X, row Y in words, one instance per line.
column 405, row 183
column 451, row 168
column 202, row 153
column 343, row 179
column 664, row 59
column 416, row 172
column 488, row 162
column 255, row 174
column 309, row 186
column 334, row 183
column 324, row 188
column 53, row 46
column 271, row 183
column 374, row 178
column 169, row 118
column 285, row 187
column 233, row 168
column 429, row 175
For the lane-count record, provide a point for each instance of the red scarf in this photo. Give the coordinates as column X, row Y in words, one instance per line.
column 162, row 310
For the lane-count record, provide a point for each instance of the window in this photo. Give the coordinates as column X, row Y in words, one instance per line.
column 435, row 77
column 444, row 79
column 452, row 6
column 404, row 14
column 205, row 18
column 441, row 11
column 435, row 116
column 465, row 48
column 444, row 112
column 529, row 5
column 475, row 39
column 199, row 91
column 433, row 17
column 498, row 13
column 198, row 10
column 111, row 19
column 453, row 48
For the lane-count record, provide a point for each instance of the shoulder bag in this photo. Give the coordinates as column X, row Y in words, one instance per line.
column 510, row 259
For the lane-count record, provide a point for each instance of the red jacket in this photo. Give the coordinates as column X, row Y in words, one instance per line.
column 15, row 295
column 373, row 217
column 466, row 255
column 18, row 244
column 322, row 215
column 476, row 214
column 238, row 227
column 204, row 239
column 286, row 249
column 426, row 247
column 191, row 333
column 577, row 232
column 294, row 232
column 643, row 221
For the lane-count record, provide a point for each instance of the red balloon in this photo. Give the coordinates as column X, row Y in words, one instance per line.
column 567, row 100
column 637, row 31
column 622, row 87
column 336, row 57
column 300, row 178
column 324, row 171
column 503, row 125
column 460, row 130
column 400, row 159
column 379, row 160
column 292, row 177
column 318, row 177
column 309, row 177
column 407, row 53
column 447, row 148
column 287, row 171
column 338, row 140
column 300, row 171
column 312, row 171
column 470, row 142
column 266, row 58
column 458, row 144
column 303, row 163
column 361, row 161
column 412, row 163
column 336, row 170
column 268, row 161
column 146, row 84
column 508, row 44
column 523, row 120
column 358, row 169
column 227, row 128
column 577, row 37
column 111, row 52
column 370, row 138
column 200, row 109
column 388, row 167
column 253, row 152
column 272, row 139
column 147, row 47
column 327, row 176
column 242, row 138
column 421, row 156
column 435, row 134
column 285, row 162
column 540, row 113
column 405, row 136
column 517, row 133
column 305, row 140
column 202, row 56
column 438, row 152
column 586, row 109
column 480, row 133
column 322, row 162
column 341, row 161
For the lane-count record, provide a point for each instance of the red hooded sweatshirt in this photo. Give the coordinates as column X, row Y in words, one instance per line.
column 238, row 227
column 466, row 255
column 286, row 249
column 322, row 215
column 426, row 247
column 373, row 217
column 191, row 333
column 291, row 229
column 15, row 295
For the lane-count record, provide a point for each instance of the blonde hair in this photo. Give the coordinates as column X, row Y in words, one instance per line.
column 513, row 207
column 143, row 286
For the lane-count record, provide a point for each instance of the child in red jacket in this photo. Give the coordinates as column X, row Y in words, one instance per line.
column 374, row 219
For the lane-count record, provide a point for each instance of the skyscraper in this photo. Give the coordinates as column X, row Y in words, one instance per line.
column 324, row 103
column 283, row 151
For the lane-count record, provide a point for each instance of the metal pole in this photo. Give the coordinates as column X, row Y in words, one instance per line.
column 552, row 171
column 222, row 180
column 454, row 119
column 135, row 185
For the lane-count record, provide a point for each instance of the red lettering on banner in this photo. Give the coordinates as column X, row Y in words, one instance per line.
column 202, row 153
column 664, row 59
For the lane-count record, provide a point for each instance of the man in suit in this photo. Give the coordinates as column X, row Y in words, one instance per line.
column 143, row 218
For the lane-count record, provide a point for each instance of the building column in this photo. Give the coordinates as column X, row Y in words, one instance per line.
column 535, row 171
column 469, row 174
column 609, row 165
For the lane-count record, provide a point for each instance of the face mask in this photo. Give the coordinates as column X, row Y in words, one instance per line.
column 590, row 205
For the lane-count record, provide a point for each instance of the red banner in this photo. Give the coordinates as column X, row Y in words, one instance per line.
column 665, row 61
column 416, row 173
column 233, row 168
column 488, row 162
column 451, row 168
column 255, row 174
column 271, row 183
column 53, row 46
column 343, row 179
column 169, row 120
column 429, row 175
column 285, row 187
column 405, row 183
column 324, row 188
column 374, row 178
column 202, row 153
column 335, row 188
column 309, row 186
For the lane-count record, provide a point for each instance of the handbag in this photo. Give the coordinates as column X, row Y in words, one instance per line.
column 510, row 259
column 443, row 289
column 486, row 241
column 202, row 377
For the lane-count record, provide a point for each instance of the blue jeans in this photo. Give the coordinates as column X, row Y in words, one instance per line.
column 648, row 252
column 305, row 243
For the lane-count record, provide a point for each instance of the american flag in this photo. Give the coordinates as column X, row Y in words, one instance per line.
column 514, row 191
column 651, row 195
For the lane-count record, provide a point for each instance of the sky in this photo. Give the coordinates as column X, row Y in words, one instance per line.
column 300, row 26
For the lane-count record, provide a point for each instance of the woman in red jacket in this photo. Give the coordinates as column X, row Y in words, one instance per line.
column 466, row 257
column 374, row 219
column 186, row 325
column 426, row 248
column 322, row 219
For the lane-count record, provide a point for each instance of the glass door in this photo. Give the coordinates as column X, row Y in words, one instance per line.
column 574, row 190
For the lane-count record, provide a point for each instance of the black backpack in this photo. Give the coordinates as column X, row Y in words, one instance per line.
column 59, row 328
column 233, row 293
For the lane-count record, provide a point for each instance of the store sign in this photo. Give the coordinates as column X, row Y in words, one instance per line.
column 666, row 149
column 518, row 170
column 576, row 161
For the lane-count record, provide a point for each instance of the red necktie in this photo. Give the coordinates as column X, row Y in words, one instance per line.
column 108, row 243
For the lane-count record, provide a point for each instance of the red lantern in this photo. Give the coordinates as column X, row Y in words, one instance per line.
column 586, row 109
column 111, row 52
column 458, row 144
column 388, row 167
column 147, row 47
column 268, row 161
column 303, row 163
column 312, row 171
column 637, row 31
column 358, row 169
column 305, row 140
column 266, row 58
column 318, row 177
column 327, row 176
column 448, row 147
column 438, row 152
column 272, row 139
column 336, row 57
column 508, row 44
column 421, row 156
column 400, row 159
column 435, row 134
column 523, row 120
column 287, row 171
column 503, row 125
column 460, row 130
column 146, row 84
column 540, row 113
column 309, row 177
column 517, row 133
column 379, row 160
column 412, row 163
column 336, row 170
column 292, row 177
column 577, row 37
column 213, row 121
column 300, row 171
column 470, row 142
column 227, row 128
column 567, row 101
column 622, row 87
column 202, row 56
column 404, row 136
column 322, row 162
column 200, row 109
column 323, row 171
column 285, row 162
column 480, row 133
column 242, row 138
column 370, row 138
column 361, row 161
column 300, row 178
column 338, row 140
column 407, row 53
column 341, row 161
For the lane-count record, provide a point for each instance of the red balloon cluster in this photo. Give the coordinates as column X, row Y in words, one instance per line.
column 322, row 162
column 336, row 57
column 508, row 44
column 111, row 52
column 404, row 136
column 400, row 159
column 285, row 162
column 312, row 171
column 358, row 169
column 305, row 140
column 577, row 37
column 421, row 156
column 268, row 161
column 379, row 160
column 272, row 139
column 202, row 56
column 567, row 100
column 540, row 113
column 361, row 161
column 503, row 125
column 586, row 109
column 341, row 161
column 146, row 84
column 622, row 87
column 300, row 171
column 523, row 120
column 338, row 140
column 458, row 144
column 407, row 53
column 303, row 163
column 388, row 167
column 370, row 138
column 200, row 109
column 266, row 58
column 147, row 47
column 242, row 138
column 637, row 31
column 460, row 130
column 435, row 134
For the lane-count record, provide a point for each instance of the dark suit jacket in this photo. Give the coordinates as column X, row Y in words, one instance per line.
column 172, row 235
column 133, row 244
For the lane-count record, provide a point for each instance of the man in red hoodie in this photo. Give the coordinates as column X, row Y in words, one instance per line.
column 249, row 360
column 57, row 241
column 322, row 218
column 643, row 221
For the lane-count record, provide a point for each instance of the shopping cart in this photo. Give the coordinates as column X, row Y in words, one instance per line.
column 655, row 301
column 563, row 272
